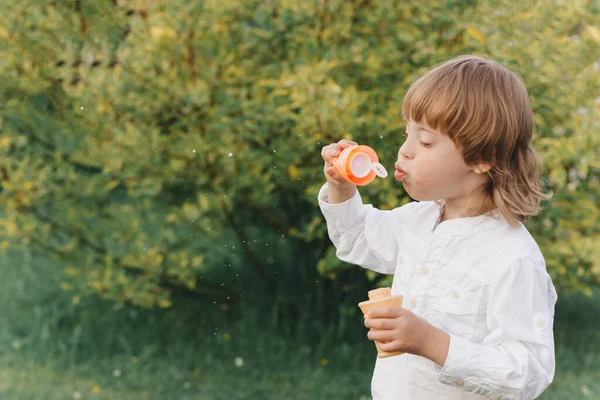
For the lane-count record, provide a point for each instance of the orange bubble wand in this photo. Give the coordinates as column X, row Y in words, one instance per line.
column 359, row 165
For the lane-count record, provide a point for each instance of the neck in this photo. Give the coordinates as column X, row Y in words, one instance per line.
column 462, row 207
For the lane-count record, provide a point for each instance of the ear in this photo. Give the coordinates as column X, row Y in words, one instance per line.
column 481, row 168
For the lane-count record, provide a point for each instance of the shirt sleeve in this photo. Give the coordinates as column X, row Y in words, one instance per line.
column 516, row 360
column 362, row 234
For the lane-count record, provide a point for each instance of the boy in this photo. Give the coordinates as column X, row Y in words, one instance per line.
column 478, row 302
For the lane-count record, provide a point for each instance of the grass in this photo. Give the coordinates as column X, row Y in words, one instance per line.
column 53, row 349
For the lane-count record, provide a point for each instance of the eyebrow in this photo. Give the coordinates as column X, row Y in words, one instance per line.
column 427, row 130
column 424, row 129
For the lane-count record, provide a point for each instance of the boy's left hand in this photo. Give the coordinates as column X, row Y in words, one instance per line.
column 398, row 329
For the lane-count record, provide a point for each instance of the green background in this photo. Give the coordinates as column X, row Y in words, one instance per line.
column 160, row 162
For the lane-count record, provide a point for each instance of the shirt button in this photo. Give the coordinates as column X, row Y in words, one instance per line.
column 425, row 270
column 455, row 294
column 540, row 323
column 460, row 382
column 413, row 302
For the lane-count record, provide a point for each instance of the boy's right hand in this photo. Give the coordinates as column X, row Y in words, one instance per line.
column 340, row 189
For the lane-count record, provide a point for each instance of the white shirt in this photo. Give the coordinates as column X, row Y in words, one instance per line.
column 479, row 280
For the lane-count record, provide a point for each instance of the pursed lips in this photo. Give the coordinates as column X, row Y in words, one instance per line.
column 399, row 173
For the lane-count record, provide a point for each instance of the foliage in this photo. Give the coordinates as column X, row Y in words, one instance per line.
column 164, row 148
column 51, row 349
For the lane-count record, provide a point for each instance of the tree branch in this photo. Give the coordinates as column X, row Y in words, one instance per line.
column 244, row 242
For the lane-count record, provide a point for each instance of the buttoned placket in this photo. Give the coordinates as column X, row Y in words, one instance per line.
column 424, row 271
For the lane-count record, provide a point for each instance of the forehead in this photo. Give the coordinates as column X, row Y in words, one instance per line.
column 422, row 125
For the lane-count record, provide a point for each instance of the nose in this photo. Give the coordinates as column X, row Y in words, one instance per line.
column 405, row 152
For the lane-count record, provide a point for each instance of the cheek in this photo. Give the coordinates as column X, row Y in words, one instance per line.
column 444, row 167
column 420, row 179
column 434, row 173
column 426, row 172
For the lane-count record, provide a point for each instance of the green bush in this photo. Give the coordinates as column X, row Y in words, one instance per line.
column 172, row 148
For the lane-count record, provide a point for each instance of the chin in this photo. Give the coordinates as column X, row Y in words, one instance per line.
column 415, row 195
column 411, row 192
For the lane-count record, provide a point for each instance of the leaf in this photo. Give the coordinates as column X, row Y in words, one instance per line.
column 157, row 110
column 164, row 303
column 593, row 32
column 293, row 171
column 475, row 34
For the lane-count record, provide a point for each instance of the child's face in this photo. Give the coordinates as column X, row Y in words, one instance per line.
column 431, row 167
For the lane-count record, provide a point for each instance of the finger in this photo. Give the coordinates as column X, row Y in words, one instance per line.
column 330, row 151
column 389, row 346
column 379, row 323
column 381, row 336
column 325, row 153
column 332, row 172
column 386, row 312
column 347, row 143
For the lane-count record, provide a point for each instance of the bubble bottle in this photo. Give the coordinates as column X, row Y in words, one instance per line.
column 359, row 165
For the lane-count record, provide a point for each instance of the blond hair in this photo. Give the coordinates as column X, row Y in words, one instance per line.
column 484, row 108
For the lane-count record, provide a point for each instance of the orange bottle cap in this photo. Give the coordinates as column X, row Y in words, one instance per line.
column 359, row 165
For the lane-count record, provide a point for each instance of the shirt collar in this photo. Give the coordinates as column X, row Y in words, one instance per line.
column 466, row 225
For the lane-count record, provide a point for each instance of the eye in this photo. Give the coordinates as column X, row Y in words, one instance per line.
column 426, row 144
